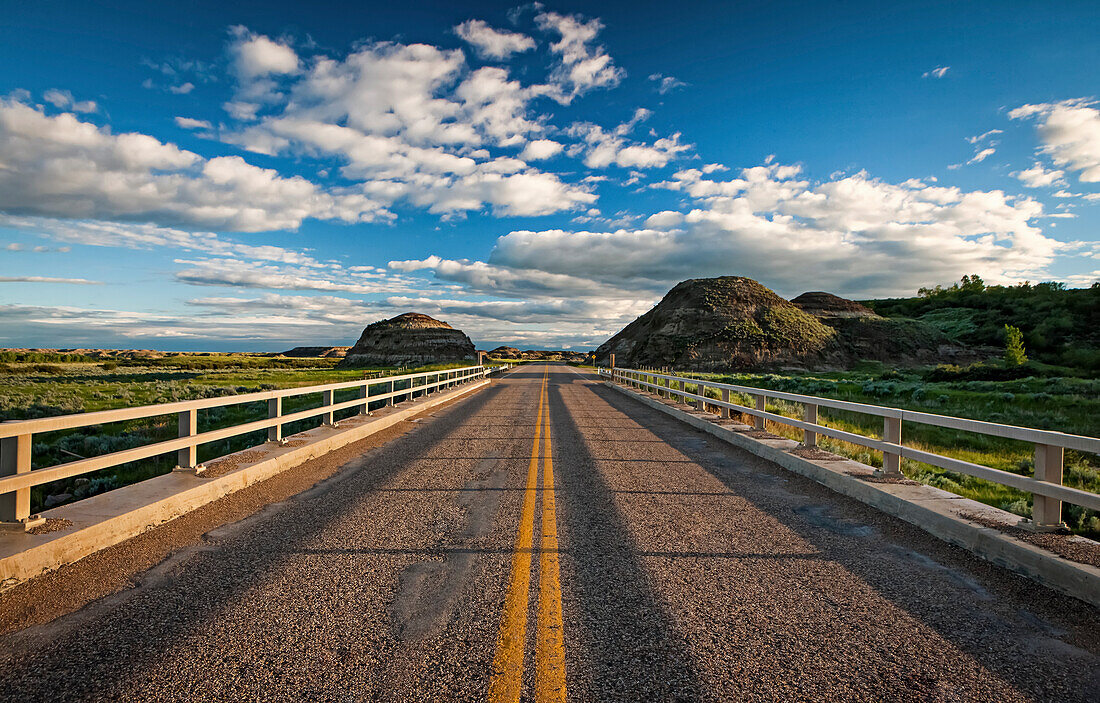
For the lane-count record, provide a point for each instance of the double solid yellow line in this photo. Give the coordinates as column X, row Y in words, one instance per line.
column 506, row 684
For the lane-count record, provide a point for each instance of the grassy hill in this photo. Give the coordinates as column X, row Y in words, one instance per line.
column 1060, row 325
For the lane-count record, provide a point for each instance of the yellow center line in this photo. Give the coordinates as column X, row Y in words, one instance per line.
column 550, row 638
column 506, row 684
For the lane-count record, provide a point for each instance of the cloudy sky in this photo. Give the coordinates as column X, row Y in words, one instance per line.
column 257, row 175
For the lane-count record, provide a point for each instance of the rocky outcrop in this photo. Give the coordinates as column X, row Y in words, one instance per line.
column 826, row 305
column 863, row 335
column 731, row 323
column 410, row 340
column 719, row 323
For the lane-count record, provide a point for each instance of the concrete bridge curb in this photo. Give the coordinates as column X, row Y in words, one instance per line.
column 107, row 519
column 936, row 511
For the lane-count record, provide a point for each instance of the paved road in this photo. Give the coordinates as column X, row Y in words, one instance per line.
column 685, row 569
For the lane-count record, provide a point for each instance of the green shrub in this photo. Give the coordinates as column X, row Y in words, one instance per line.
column 51, row 369
column 1014, row 347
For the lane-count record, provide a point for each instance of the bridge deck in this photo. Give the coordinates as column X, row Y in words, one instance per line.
column 687, row 570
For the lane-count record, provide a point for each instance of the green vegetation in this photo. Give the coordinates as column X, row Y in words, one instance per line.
column 1059, row 325
column 32, row 389
column 1060, row 403
column 1014, row 347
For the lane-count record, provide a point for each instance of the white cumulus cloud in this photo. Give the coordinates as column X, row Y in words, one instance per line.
column 1070, row 133
column 255, row 55
column 585, row 65
column 1039, row 177
column 64, row 100
column 62, row 167
column 493, row 43
column 540, row 149
column 192, row 123
column 853, row 234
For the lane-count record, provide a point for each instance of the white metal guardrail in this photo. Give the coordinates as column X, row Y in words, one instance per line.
column 16, row 436
column 1046, row 486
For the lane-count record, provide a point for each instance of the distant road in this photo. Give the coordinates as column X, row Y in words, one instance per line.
column 553, row 538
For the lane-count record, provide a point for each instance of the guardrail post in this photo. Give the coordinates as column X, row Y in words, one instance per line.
column 364, row 395
column 809, row 437
column 758, row 422
column 1046, row 513
column 725, row 412
column 891, row 432
column 327, row 419
column 389, row 400
column 274, row 410
column 188, row 457
column 15, row 507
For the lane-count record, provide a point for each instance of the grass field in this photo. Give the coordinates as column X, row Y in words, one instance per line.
column 43, row 389
column 1064, row 404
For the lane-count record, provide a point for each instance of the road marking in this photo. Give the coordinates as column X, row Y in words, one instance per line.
column 550, row 639
column 506, row 684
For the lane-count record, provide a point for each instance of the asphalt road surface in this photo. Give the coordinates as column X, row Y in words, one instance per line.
column 550, row 539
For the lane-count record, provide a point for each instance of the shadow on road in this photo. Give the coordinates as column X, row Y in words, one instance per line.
column 626, row 647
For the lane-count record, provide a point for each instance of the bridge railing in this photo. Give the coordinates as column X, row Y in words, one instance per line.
column 1046, row 485
column 17, row 436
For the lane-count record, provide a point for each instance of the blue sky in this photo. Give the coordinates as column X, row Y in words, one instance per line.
column 199, row 177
